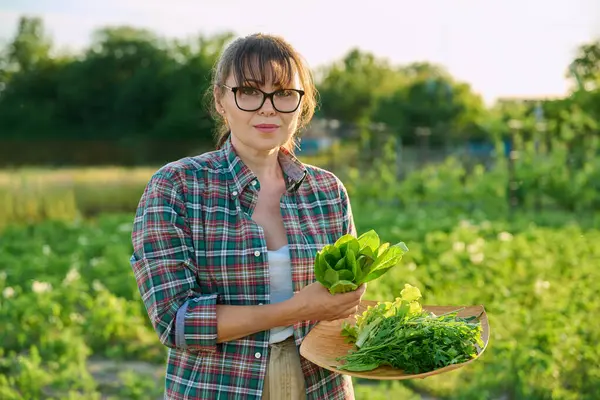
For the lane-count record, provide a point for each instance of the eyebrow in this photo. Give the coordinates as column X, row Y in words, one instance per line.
column 252, row 81
column 276, row 85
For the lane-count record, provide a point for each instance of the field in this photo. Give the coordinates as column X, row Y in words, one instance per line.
column 499, row 205
column 73, row 326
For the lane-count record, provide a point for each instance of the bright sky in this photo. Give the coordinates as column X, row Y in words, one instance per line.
column 500, row 47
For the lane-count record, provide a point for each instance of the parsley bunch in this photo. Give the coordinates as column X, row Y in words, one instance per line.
column 349, row 262
column 402, row 335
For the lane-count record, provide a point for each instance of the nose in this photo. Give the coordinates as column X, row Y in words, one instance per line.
column 267, row 107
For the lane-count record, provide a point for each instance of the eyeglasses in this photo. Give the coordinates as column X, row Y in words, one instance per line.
column 249, row 98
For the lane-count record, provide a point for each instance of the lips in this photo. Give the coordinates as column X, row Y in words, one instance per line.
column 266, row 128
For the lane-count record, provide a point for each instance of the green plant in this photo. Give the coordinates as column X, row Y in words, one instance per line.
column 402, row 335
column 350, row 262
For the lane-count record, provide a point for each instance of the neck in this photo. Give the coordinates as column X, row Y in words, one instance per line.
column 264, row 164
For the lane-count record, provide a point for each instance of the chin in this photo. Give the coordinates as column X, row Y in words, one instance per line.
column 268, row 141
column 266, row 145
column 263, row 142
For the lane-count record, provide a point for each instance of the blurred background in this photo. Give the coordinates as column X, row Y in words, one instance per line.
column 467, row 129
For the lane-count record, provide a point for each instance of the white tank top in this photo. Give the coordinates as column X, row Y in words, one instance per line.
column 280, row 275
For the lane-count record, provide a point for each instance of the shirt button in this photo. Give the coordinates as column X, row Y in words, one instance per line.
column 257, row 355
column 257, row 253
column 235, row 193
column 254, row 182
column 260, row 304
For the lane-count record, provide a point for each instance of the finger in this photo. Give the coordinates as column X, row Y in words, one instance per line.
column 360, row 291
column 351, row 311
column 354, row 293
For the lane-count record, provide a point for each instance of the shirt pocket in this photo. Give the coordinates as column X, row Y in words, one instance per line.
column 321, row 227
column 236, row 259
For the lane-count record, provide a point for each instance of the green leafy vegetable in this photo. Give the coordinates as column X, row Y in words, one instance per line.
column 402, row 335
column 349, row 262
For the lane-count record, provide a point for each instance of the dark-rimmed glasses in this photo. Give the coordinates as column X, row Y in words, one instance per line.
column 248, row 98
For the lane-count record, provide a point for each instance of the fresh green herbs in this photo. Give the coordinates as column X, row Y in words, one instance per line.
column 349, row 262
column 402, row 335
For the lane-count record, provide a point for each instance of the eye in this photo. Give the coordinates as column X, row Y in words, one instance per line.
column 286, row 93
column 248, row 91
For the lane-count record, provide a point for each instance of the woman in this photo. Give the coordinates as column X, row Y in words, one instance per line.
column 224, row 242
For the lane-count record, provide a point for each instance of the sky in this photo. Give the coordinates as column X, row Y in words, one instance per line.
column 502, row 48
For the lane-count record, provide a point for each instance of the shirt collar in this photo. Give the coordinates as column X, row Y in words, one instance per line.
column 293, row 169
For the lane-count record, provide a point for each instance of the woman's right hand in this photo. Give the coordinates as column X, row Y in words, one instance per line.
column 315, row 303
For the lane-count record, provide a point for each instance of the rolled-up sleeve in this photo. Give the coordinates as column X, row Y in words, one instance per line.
column 349, row 227
column 164, row 266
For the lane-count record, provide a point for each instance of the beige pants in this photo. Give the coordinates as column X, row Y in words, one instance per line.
column 284, row 379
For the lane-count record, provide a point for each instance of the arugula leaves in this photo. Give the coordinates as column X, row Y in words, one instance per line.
column 404, row 336
column 349, row 262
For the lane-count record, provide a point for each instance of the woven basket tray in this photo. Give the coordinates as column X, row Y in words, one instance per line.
column 324, row 344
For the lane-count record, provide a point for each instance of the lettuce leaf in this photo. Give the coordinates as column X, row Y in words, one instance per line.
column 349, row 262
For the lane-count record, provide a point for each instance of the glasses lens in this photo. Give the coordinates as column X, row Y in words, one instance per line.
column 250, row 99
column 286, row 100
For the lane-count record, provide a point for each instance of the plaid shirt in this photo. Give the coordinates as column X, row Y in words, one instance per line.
column 196, row 246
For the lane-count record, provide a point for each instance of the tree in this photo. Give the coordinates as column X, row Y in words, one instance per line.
column 120, row 86
column 27, row 76
column 349, row 88
column 30, row 46
column 129, row 85
column 431, row 99
column 584, row 71
column 187, row 113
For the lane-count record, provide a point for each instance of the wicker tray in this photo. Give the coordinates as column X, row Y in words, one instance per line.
column 324, row 344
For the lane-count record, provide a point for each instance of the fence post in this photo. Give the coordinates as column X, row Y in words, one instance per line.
column 514, row 126
column 423, row 134
column 399, row 169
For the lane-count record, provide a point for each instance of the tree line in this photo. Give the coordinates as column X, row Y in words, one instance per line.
column 133, row 88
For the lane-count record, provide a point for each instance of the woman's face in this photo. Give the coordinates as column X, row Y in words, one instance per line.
column 265, row 129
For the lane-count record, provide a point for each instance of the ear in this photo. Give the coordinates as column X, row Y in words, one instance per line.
column 217, row 96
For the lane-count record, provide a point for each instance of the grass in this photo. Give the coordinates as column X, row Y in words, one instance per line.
column 68, row 300
column 69, row 304
column 34, row 194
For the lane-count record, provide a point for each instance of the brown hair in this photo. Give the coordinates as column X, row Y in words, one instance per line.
column 262, row 56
